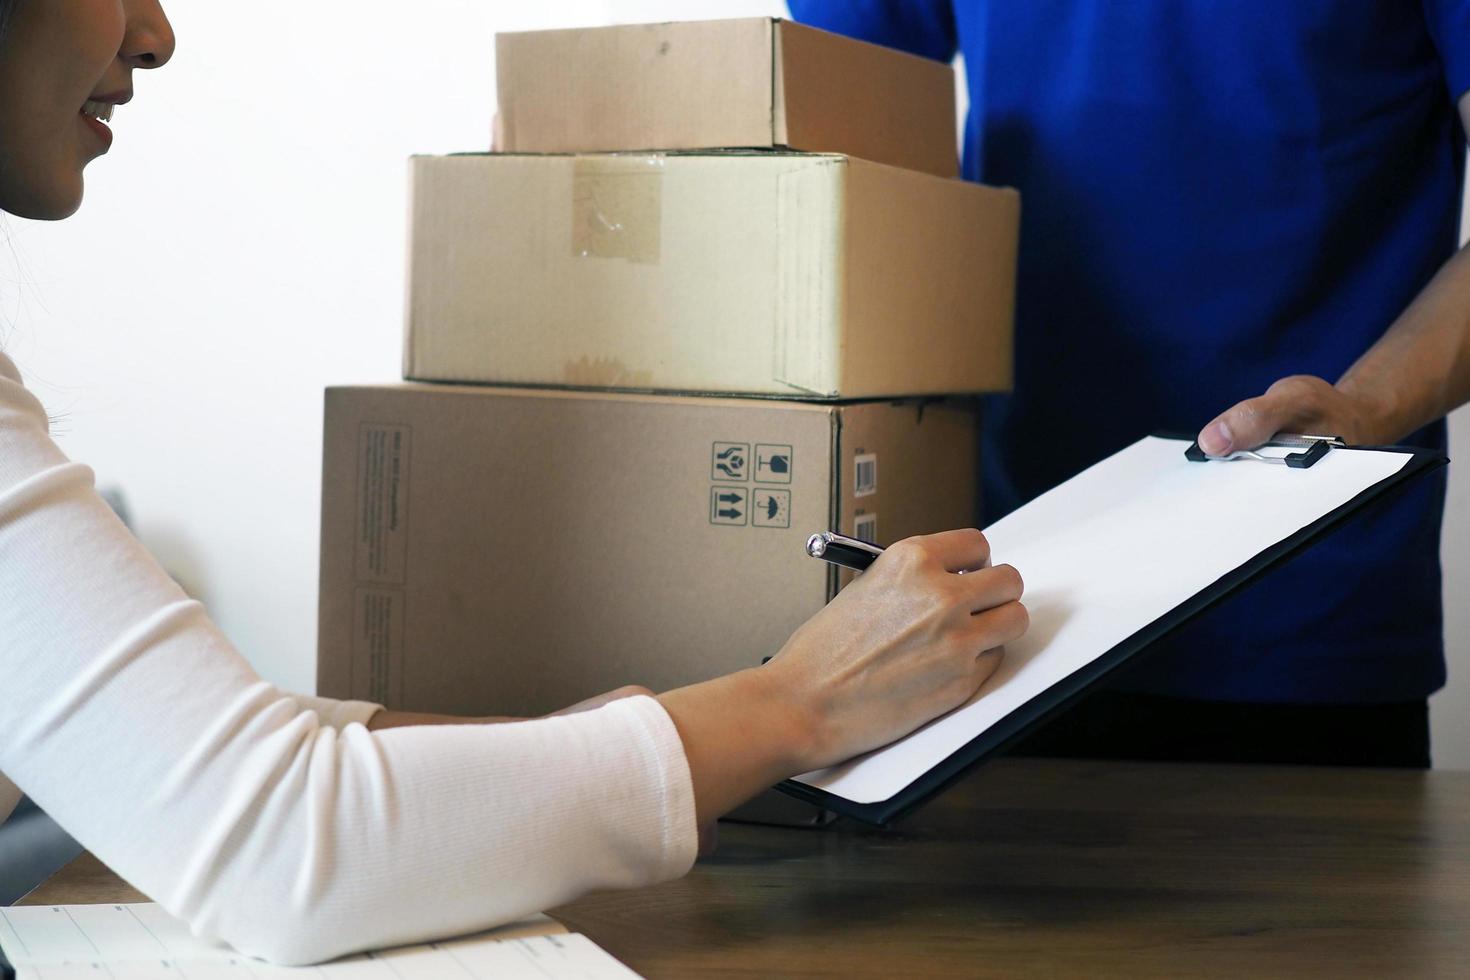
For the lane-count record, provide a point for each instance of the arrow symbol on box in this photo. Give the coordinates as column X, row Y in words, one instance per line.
column 730, row 498
column 729, row 513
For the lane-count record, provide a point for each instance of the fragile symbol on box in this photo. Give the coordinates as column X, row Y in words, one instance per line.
column 772, row 464
column 728, row 505
column 730, row 461
column 770, row 508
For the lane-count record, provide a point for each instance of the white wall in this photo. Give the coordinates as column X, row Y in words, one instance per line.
column 1449, row 710
column 242, row 248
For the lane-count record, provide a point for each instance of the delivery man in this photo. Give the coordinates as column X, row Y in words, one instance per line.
column 1223, row 200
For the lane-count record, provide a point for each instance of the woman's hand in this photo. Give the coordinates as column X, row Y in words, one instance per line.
column 908, row 641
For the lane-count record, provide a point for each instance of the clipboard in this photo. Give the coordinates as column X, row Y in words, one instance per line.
column 1342, row 485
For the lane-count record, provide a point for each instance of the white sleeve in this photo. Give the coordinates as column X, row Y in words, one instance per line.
column 338, row 714
column 127, row 715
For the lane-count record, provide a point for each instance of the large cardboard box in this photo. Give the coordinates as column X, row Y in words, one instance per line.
column 797, row 275
column 501, row 551
column 750, row 83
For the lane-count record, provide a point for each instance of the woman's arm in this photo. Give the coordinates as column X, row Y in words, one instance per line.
column 134, row 723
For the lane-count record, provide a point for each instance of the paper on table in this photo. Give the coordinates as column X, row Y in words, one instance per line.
column 141, row 942
column 1104, row 555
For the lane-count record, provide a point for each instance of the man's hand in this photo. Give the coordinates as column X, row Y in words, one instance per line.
column 1298, row 404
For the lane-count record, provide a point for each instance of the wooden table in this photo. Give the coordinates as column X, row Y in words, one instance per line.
column 1057, row 868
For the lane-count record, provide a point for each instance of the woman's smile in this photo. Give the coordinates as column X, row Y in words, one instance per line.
column 97, row 112
column 65, row 66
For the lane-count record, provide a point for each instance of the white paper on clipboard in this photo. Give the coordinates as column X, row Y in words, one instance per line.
column 1104, row 555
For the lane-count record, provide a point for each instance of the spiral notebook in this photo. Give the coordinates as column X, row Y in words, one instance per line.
column 1114, row 559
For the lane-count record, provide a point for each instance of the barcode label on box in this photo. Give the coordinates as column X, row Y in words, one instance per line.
column 865, row 528
column 865, row 475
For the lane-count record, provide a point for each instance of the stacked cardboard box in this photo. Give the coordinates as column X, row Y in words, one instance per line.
column 681, row 322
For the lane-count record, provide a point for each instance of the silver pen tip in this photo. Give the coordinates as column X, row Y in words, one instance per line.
column 816, row 545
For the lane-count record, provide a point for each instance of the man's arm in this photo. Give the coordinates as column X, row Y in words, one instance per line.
column 1417, row 372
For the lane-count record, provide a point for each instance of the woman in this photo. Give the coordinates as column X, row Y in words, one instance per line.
column 299, row 828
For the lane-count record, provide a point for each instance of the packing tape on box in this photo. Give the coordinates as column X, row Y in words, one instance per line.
column 617, row 207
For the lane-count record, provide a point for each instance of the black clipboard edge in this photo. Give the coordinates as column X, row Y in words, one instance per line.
column 1066, row 692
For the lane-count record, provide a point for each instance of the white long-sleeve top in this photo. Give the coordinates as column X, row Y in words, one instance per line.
column 276, row 822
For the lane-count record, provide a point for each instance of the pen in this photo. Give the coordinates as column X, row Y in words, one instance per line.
column 839, row 549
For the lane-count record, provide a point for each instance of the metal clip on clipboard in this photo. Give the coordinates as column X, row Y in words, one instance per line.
column 1312, row 448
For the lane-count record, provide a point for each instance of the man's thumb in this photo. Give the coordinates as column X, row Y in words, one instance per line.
column 1245, row 426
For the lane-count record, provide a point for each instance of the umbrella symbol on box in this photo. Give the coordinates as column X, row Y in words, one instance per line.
column 770, row 508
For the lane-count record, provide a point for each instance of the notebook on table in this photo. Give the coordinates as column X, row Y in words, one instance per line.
column 143, row 942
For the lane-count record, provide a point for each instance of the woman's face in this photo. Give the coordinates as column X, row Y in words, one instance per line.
column 64, row 63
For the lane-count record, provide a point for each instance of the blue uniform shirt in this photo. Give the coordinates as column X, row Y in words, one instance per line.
column 1216, row 194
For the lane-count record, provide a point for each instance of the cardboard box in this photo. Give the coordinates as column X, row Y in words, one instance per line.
column 502, row 551
column 795, row 275
column 754, row 83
